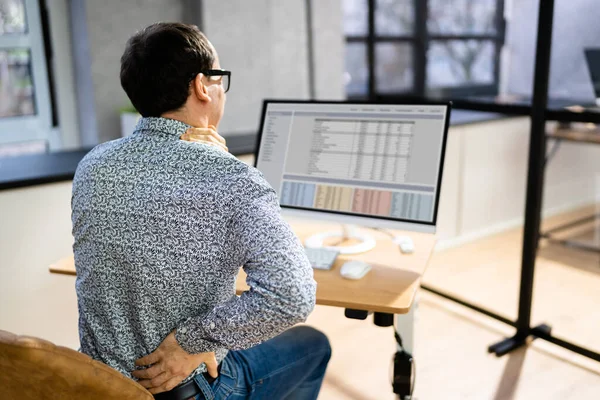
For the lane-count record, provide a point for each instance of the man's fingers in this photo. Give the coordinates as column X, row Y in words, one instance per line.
column 145, row 383
column 148, row 373
column 155, row 382
column 210, row 143
column 213, row 140
column 214, row 144
column 212, row 366
column 160, row 379
column 201, row 132
column 205, row 135
column 221, row 138
column 204, row 138
column 150, row 359
column 168, row 385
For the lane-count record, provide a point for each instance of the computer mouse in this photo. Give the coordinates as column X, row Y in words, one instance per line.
column 405, row 243
column 354, row 269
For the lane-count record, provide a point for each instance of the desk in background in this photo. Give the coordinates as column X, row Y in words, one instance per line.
column 584, row 134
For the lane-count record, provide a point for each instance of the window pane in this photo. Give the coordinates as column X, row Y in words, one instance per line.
column 12, row 16
column 23, row 148
column 16, row 86
column 460, row 62
column 357, row 75
column 355, row 17
column 394, row 17
column 462, row 16
column 393, row 67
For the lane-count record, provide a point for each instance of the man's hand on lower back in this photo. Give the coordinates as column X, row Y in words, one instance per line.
column 169, row 364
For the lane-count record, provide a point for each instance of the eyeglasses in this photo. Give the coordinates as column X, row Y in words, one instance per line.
column 215, row 75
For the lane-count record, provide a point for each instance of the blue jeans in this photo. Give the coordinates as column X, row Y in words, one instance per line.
column 290, row 366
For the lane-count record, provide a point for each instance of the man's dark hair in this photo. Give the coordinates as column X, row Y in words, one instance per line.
column 159, row 63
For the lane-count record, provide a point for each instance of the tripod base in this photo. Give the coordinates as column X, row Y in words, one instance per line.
column 513, row 343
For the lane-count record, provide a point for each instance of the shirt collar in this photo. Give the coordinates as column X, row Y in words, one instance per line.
column 162, row 125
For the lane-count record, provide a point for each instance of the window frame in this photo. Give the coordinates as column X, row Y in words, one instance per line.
column 420, row 40
column 37, row 126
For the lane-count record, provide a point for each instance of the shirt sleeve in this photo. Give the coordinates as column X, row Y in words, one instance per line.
column 282, row 289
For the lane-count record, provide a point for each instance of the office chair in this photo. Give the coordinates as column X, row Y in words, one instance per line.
column 36, row 369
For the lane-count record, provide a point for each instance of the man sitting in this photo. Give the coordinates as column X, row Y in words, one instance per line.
column 161, row 227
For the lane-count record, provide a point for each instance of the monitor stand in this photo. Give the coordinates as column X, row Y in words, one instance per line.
column 367, row 242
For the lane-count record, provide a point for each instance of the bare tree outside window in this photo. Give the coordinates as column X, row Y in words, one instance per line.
column 356, row 77
column 454, row 63
column 461, row 17
column 12, row 17
column 394, row 64
column 27, row 121
column 355, row 17
column 394, row 68
column 16, row 86
column 461, row 62
column 394, row 17
column 423, row 47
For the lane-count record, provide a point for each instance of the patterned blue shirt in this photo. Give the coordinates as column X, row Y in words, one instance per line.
column 161, row 228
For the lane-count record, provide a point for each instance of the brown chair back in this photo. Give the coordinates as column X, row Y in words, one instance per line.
column 36, row 369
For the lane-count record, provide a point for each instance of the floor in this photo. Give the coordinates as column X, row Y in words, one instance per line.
column 567, row 281
column 451, row 341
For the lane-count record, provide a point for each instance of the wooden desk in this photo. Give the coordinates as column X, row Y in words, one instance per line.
column 591, row 136
column 578, row 133
column 389, row 287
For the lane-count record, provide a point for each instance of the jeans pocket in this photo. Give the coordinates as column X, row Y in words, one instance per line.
column 207, row 391
column 222, row 391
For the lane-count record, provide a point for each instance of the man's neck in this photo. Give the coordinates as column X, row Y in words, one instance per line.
column 197, row 121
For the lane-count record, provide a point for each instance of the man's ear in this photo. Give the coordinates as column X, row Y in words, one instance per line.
column 199, row 89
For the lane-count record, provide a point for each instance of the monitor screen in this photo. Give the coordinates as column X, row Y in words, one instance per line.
column 593, row 61
column 370, row 160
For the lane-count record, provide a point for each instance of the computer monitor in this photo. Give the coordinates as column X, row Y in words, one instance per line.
column 592, row 57
column 374, row 165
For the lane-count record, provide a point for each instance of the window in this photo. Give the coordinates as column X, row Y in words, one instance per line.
column 434, row 48
column 25, row 106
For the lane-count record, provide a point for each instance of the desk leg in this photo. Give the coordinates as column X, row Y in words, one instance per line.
column 404, row 371
column 405, row 326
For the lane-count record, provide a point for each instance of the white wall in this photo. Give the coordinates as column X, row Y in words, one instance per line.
column 36, row 231
column 329, row 49
column 265, row 44
column 109, row 24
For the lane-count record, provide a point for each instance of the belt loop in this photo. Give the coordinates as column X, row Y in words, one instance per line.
column 204, row 387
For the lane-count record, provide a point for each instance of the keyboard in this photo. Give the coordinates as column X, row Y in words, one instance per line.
column 320, row 257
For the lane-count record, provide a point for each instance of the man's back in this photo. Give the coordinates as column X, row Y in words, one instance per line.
column 161, row 228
